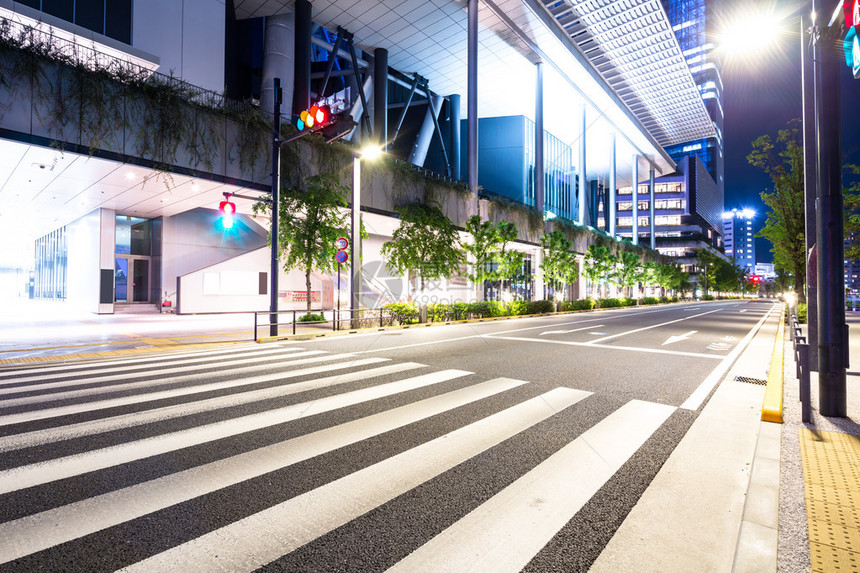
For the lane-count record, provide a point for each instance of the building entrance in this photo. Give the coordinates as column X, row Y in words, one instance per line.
column 131, row 279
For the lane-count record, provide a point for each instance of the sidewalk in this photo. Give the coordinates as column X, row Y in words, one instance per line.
column 819, row 502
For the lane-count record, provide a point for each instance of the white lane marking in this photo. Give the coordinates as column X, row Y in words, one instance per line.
column 719, row 346
column 597, row 333
column 164, row 356
column 679, row 338
column 508, row 530
column 701, row 392
column 613, row 347
column 289, row 525
column 744, row 310
column 569, row 331
column 44, row 472
column 40, row 531
column 149, row 397
column 163, row 379
column 611, row 336
column 68, row 432
column 102, row 373
column 166, row 370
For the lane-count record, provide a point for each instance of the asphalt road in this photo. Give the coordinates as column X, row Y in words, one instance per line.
column 509, row 445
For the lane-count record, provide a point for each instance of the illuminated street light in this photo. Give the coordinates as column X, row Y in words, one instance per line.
column 369, row 152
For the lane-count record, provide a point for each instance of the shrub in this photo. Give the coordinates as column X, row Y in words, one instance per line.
column 707, row 297
column 310, row 317
column 439, row 312
column 516, row 308
column 664, row 299
column 609, row 303
column 403, row 312
column 486, row 309
column 801, row 312
column 459, row 310
column 674, row 299
column 648, row 300
column 541, row 307
column 628, row 302
column 581, row 304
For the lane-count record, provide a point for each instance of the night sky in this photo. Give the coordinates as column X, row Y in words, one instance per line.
column 761, row 95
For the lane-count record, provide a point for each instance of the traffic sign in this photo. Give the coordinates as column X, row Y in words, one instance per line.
column 341, row 256
column 341, row 244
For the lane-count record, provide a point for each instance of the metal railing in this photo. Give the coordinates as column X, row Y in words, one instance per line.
column 801, row 359
column 336, row 319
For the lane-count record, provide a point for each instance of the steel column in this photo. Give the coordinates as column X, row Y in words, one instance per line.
column 581, row 169
column 355, row 237
column 380, row 97
column 454, row 104
column 539, row 161
column 278, row 56
column 472, row 96
column 809, row 191
column 612, row 185
column 832, row 356
column 302, row 84
column 634, row 176
column 651, row 205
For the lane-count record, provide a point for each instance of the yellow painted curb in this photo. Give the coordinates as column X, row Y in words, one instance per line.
column 771, row 408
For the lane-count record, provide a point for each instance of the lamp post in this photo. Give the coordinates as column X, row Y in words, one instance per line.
column 276, row 184
column 369, row 152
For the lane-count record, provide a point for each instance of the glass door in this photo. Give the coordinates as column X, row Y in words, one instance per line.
column 140, row 276
column 131, row 279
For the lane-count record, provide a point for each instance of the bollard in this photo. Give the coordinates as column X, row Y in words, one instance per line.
column 805, row 402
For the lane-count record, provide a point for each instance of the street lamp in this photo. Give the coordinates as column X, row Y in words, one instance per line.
column 822, row 156
column 369, row 152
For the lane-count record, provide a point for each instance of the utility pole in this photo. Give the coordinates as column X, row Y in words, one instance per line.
column 832, row 330
column 276, row 183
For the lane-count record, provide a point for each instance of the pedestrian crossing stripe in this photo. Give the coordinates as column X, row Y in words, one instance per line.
column 291, row 524
column 40, row 531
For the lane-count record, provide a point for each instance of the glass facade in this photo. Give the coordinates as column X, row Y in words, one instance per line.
column 559, row 173
column 692, row 22
column 51, row 271
column 111, row 18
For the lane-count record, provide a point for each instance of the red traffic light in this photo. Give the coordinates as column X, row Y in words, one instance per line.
column 314, row 117
column 227, row 208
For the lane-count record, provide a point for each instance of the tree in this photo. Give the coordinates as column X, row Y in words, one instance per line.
column 628, row 270
column 851, row 223
column 426, row 243
column 784, row 228
column 510, row 261
column 709, row 261
column 598, row 263
column 559, row 261
column 311, row 219
column 485, row 239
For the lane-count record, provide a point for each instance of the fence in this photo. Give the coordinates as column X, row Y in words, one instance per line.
column 337, row 319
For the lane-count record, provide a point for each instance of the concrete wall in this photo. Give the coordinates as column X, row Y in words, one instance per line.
column 90, row 248
column 186, row 35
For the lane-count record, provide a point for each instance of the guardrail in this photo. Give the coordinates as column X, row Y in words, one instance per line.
column 801, row 359
column 337, row 318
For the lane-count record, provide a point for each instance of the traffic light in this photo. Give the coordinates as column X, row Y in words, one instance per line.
column 314, row 118
column 339, row 126
column 228, row 209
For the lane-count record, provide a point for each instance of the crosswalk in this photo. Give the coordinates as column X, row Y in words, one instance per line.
column 236, row 459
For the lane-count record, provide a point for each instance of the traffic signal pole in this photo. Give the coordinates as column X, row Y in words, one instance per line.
column 832, row 331
column 276, row 184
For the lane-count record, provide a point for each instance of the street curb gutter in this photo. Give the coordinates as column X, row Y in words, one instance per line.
column 771, row 409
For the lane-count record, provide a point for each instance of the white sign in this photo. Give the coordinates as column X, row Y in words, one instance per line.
column 341, row 243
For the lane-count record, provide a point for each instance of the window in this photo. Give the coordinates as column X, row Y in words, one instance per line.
column 667, row 220
column 109, row 17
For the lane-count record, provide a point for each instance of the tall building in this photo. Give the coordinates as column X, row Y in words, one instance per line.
column 692, row 22
column 738, row 237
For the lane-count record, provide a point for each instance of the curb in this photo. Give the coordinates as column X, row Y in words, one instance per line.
column 771, row 409
column 311, row 335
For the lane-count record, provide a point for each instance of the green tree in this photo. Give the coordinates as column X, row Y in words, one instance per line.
column 708, row 261
column 485, row 240
column 851, row 223
column 559, row 261
column 598, row 263
column 426, row 243
column 311, row 218
column 782, row 160
column 510, row 261
column 628, row 270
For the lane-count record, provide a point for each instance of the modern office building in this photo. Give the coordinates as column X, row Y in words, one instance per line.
column 108, row 195
column 739, row 237
column 693, row 22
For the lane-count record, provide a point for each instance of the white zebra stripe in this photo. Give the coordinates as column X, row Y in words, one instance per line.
column 70, row 431
column 196, row 364
column 15, row 373
column 509, row 529
column 151, row 396
column 289, row 525
column 162, row 380
column 44, row 472
column 44, row 530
